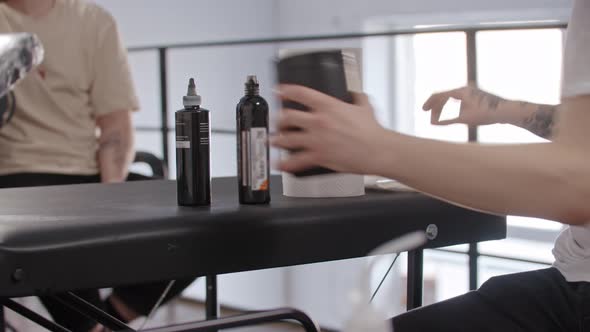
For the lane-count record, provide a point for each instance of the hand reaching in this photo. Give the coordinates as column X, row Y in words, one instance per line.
column 477, row 107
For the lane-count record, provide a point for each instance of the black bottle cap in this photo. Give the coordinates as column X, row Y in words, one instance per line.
column 252, row 86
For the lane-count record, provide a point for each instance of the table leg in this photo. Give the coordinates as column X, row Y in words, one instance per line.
column 2, row 322
column 473, row 268
column 415, row 278
column 211, row 305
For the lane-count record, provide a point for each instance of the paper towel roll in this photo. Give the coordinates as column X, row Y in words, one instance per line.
column 325, row 185
column 331, row 184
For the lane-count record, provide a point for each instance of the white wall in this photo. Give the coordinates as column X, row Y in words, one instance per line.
column 149, row 22
column 338, row 16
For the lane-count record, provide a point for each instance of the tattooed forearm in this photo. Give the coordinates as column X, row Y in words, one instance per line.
column 541, row 121
column 115, row 145
column 115, row 151
column 487, row 99
column 114, row 155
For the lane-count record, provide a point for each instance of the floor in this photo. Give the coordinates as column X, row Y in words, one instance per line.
column 179, row 311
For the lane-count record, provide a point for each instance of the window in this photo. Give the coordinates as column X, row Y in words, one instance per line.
column 515, row 64
column 522, row 65
column 439, row 65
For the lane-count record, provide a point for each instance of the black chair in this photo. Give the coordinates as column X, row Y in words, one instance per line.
column 157, row 166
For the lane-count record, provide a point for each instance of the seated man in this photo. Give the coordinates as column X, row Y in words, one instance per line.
column 545, row 180
column 73, row 122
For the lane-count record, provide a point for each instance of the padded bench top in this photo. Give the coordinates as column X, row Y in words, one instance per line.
column 98, row 235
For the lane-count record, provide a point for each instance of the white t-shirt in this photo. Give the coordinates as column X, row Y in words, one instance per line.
column 572, row 248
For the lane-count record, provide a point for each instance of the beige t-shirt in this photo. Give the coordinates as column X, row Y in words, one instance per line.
column 85, row 74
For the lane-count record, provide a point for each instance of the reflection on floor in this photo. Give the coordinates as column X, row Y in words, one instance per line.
column 179, row 311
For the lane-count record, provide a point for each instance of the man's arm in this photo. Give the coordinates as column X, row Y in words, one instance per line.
column 479, row 107
column 539, row 119
column 546, row 180
column 115, row 151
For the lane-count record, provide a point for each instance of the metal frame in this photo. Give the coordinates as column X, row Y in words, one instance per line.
column 71, row 301
column 385, row 33
column 415, row 279
column 209, row 325
column 211, row 301
column 87, row 309
column 471, row 48
column 31, row 315
column 245, row 320
column 163, row 60
column 522, row 260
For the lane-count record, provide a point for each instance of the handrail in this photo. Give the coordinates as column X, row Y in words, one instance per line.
column 479, row 254
column 249, row 319
column 385, row 33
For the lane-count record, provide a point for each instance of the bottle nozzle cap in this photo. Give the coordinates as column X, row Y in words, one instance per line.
column 191, row 98
column 252, row 79
column 252, row 86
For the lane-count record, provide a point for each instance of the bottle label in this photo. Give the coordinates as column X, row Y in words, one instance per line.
column 245, row 147
column 204, row 133
column 183, row 141
column 255, row 155
column 183, row 144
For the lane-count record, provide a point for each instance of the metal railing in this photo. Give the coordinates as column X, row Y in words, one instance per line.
column 470, row 32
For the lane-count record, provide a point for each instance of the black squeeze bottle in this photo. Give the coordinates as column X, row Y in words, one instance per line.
column 192, row 151
column 252, row 142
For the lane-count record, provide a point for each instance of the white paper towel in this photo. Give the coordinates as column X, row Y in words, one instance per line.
column 325, row 185
column 334, row 184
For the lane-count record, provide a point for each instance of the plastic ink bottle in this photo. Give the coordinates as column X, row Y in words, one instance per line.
column 192, row 151
column 252, row 142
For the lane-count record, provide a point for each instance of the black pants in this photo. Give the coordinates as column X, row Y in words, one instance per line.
column 536, row 301
column 141, row 298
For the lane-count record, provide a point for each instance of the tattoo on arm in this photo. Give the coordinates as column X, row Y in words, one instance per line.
column 487, row 99
column 114, row 142
column 541, row 121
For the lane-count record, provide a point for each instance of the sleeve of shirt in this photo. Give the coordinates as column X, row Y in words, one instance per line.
column 576, row 61
column 112, row 86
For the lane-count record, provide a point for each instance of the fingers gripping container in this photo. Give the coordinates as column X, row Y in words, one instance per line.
column 335, row 73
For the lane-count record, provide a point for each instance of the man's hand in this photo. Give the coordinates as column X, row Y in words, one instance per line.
column 477, row 107
column 115, row 151
column 334, row 134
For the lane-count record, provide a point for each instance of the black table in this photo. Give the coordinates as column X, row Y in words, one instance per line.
column 56, row 239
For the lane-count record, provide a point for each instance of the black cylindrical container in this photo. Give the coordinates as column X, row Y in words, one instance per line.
column 328, row 72
column 252, row 142
column 192, row 151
